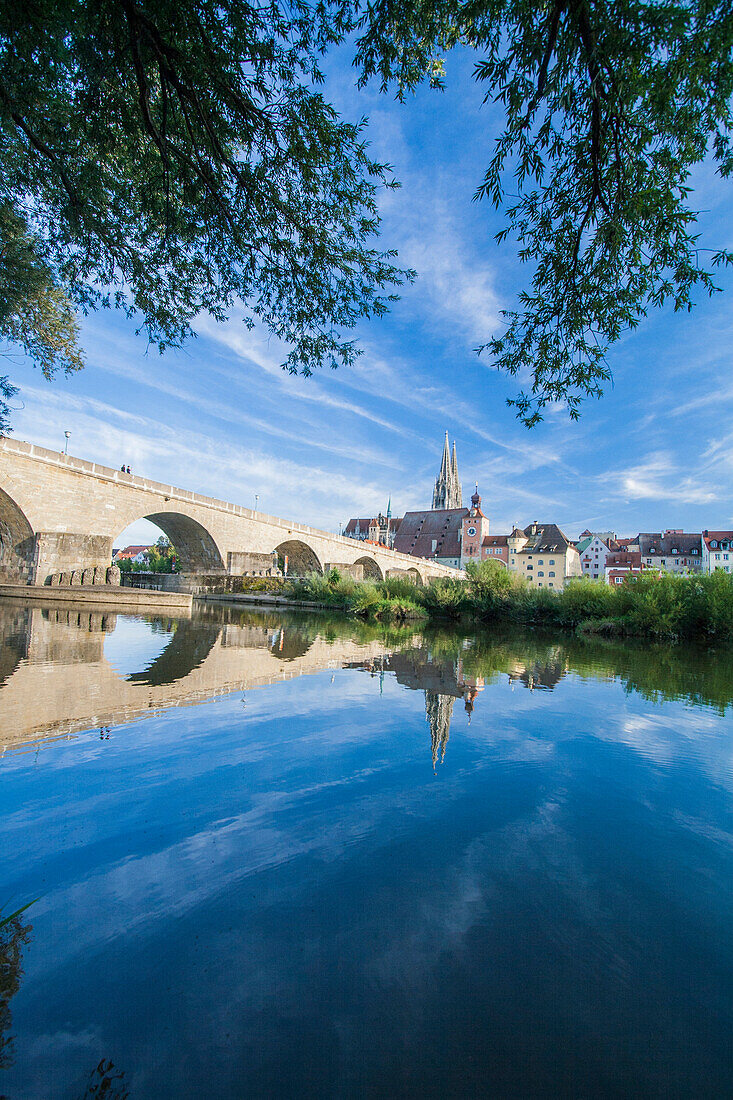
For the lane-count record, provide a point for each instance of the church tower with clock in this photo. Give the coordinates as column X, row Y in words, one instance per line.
column 475, row 528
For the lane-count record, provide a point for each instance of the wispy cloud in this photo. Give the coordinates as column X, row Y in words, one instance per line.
column 307, row 493
column 659, row 477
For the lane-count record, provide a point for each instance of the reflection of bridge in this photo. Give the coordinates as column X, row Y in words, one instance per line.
column 60, row 514
column 55, row 679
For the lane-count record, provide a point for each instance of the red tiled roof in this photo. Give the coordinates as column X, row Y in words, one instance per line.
column 629, row 558
column 716, row 536
column 496, row 540
column 132, row 551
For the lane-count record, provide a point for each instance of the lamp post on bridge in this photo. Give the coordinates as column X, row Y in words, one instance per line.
column 66, row 443
column 257, row 499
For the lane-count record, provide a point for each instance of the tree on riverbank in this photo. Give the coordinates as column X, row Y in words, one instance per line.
column 607, row 107
column 175, row 157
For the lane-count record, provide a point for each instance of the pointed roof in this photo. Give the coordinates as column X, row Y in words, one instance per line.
column 445, row 464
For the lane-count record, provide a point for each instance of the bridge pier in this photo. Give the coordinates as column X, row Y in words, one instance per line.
column 67, row 552
column 356, row 571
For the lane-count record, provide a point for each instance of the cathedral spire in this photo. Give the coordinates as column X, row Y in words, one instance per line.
column 445, row 464
column 447, row 492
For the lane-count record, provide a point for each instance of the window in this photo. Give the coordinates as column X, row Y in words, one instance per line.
column 618, row 580
column 713, row 543
column 725, row 557
column 540, row 562
column 539, row 584
column 550, row 584
column 530, row 566
column 551, row 573
column 540, row 573
column 552, row 561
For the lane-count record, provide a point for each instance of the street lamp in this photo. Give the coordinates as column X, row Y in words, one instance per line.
column 66, row 444
column 257, row 498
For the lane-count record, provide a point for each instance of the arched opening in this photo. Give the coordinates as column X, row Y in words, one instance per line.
column 372, row 572
column 297, row 558
column 17, row 543
column 414, row 576
column 194, row 548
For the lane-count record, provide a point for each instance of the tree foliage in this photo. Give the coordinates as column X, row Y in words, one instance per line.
column 176, row 156
column 609, row 105
column 35, row 313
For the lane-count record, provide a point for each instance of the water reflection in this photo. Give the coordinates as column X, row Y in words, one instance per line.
column 14, row 936
column 64, row 671
column 419, row 863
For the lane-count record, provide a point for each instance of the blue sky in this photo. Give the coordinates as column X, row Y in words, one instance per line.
column 221, row 417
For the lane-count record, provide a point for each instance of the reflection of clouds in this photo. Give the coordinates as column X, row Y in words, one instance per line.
column 323, row 864
column 689, row 737
column 133, row 645
column 45, row 1052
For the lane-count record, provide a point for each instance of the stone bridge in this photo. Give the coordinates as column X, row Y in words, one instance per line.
column 62, row 515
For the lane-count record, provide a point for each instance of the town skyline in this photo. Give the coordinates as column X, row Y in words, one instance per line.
column 222, row 417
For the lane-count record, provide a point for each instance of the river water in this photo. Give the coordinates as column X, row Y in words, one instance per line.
column 304, row 857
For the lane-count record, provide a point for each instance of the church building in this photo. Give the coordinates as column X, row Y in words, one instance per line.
column 436, row 533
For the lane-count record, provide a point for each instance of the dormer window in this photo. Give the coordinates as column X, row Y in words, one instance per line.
column 652, row 550
column 713, row 543
column 675, row 550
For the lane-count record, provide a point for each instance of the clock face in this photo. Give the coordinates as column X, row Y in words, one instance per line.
column 472, row 530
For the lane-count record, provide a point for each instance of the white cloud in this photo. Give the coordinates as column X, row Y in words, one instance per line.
column 659, row 477
column 303, row 492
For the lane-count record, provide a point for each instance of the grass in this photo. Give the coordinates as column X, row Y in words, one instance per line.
column 670, row 607
column 391, row 600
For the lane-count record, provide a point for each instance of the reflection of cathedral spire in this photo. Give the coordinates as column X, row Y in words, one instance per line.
column 438, row 711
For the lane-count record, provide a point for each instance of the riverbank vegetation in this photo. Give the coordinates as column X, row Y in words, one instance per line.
column 666, row 606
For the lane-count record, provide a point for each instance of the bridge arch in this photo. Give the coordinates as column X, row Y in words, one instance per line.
column 302, row 558
column 372, row 572
column 17, row 542
column 415, row 575
column 197, row 549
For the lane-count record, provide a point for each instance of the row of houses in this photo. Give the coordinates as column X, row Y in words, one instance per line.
column 541, row 552
column 606, row 557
